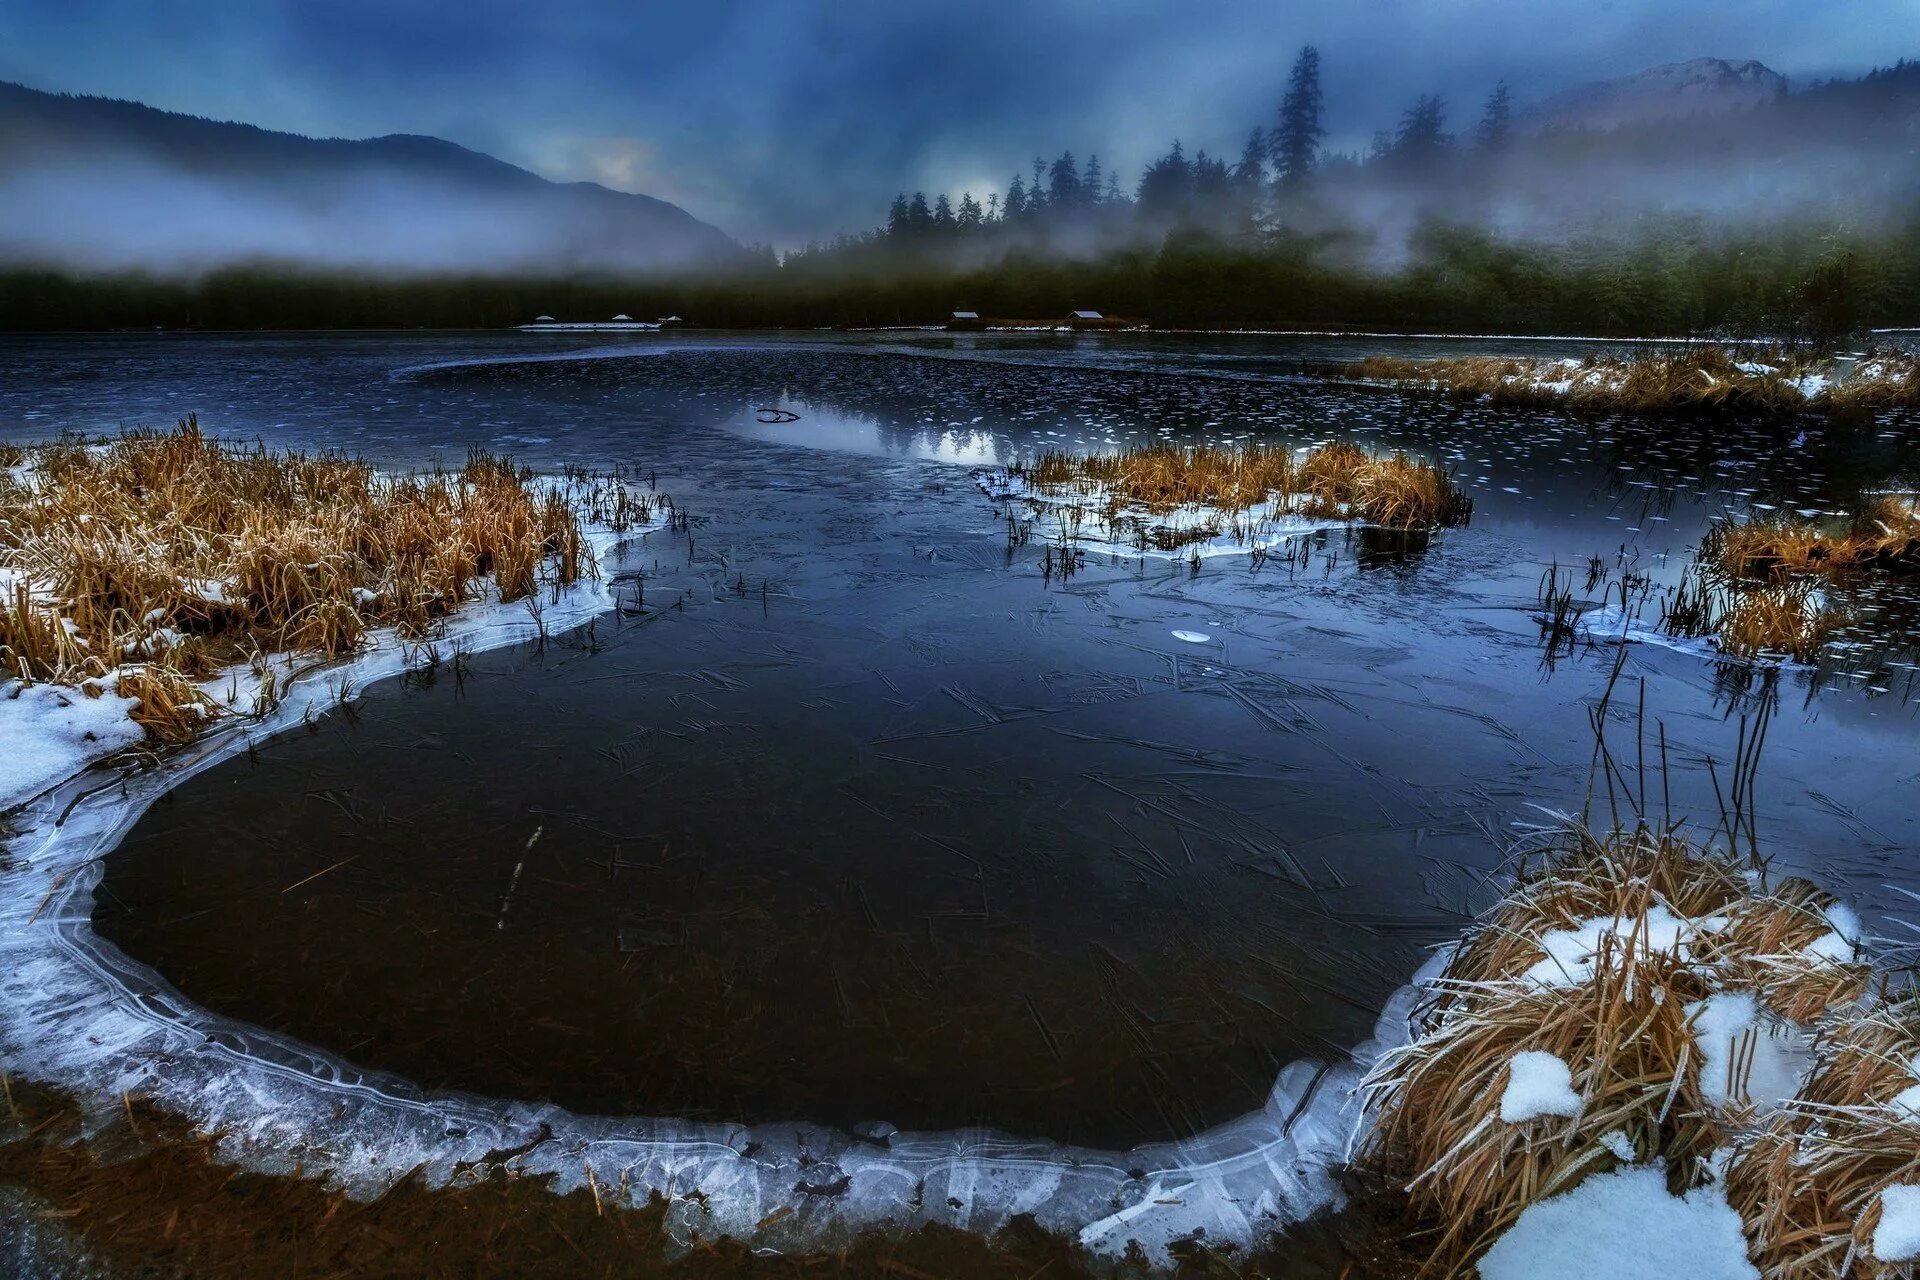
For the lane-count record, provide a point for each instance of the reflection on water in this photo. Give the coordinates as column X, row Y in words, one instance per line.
column 793, row 420
column 881, row 823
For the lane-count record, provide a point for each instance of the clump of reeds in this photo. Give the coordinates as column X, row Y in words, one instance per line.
column 1335, row 481
column 1660, row 924
column 1793, row 618
column 1765, row 614
column 152, row 560
column 1810, row 1187
column 1883, row 379
column 1883, row 536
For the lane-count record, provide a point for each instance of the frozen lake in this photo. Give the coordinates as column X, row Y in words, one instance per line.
column 851, row 815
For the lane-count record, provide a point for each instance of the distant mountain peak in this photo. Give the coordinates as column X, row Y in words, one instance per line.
column 1698, row 86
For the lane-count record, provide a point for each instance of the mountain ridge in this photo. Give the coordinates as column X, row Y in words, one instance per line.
column 1691, row 87
column 358, row 202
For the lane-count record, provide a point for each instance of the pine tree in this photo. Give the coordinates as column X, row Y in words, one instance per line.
column 1166, row 188
column 919, row 216
column 1093, row 185
column 1422, row 140
column 943, row 213
column 1252, row 169
column 970, row 216
column 1064, row 180
column 1015, row 205
column 1496, row 124
column 1296, row 143
column 897, row 216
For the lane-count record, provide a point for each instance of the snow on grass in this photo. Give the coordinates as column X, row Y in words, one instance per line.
column 52, row 731
column 1897, row 1237
column 1196, row 531
column 1623, row 1226
column 1748, row 1058
column 1538, row 1084
column 1571, row 953
column 1841, row 942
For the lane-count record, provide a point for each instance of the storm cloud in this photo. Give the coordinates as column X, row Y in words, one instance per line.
column 785, row 122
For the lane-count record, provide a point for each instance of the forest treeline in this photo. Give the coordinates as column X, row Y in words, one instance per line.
column 1795, row 217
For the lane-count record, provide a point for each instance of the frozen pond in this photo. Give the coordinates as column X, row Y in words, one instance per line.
column 851, row 815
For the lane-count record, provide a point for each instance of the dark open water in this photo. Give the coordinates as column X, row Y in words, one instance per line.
column 851, row 815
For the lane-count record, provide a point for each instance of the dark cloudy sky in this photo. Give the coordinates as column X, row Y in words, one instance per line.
column 780, row 121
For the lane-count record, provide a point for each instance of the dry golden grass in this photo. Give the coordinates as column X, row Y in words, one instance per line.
column 1767, row 945
column 1792, row 618
column 1621, row 1023
column 1885, row 536
column 1809, row 1187
column 1884, row 379
column 1624, row 1034
column 158, row 558
column 1335, row 481
column 1703, row 378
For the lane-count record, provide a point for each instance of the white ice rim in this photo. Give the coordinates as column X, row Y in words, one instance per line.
column 78, row 1014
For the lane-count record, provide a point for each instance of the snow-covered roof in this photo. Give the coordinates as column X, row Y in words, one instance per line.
column 543, row 319
column 622, row 316
column 1087, row 315
column 966, row 315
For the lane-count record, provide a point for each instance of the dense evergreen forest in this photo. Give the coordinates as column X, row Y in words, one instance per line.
column 1795, row 217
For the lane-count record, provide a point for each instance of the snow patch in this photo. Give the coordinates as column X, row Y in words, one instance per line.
column 1897, row 1237
column 1623, row 1226
column 1571, row 953
column 1538, row 1084
column 1747, row 1056
column 52, row 731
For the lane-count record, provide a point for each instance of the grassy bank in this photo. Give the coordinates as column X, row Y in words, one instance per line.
column 139, row 569
column 1702, row 379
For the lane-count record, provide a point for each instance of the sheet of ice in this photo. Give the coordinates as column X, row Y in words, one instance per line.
column 1897, row 1236
column 52, row 732
column 76, row 1012
column 1192, row 637
column 1747, row 1056
column 1538, row 1084
column 1609, row 625
column 1623, row 1226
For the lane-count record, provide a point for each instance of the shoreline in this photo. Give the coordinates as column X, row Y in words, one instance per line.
column 77, row 1014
